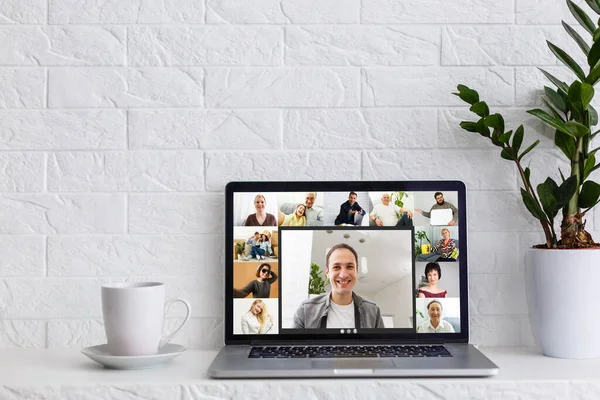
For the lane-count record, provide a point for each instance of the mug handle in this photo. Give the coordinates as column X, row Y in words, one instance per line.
column 167, row 338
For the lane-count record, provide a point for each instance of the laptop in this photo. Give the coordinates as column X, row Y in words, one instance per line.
column 346, row 279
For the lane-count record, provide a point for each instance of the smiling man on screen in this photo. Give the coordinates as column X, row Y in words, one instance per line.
column 342, row 308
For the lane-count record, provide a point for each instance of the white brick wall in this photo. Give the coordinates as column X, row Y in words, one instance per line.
column 122, row 120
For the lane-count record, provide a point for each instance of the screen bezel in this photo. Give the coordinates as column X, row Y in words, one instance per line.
column 344, row 186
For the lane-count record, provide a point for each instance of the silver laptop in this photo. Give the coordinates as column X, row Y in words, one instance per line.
column 339, row 279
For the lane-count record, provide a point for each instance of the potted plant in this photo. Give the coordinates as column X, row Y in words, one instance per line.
column 396, row 198
column 420, row 235
column 316, row 283
column 561, row 274
column 240, row 248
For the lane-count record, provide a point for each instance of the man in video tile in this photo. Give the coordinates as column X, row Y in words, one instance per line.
column 342, row 308
column 441, row 204
column 349, row 210
column 387, row 213
column 314, row 214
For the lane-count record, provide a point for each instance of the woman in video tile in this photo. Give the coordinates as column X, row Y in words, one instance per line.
column 261, row 286
column 257, row 320
column 433, row 272
column 261, row 217
column 297, row 218
column 446, row 247
column 435, row 324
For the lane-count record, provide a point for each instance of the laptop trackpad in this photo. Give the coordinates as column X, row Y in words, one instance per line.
column 346, row 364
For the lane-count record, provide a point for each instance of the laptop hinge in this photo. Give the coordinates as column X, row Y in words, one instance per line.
column 357, row 342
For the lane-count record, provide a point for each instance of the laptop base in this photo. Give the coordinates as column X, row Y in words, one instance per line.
column 466, row 361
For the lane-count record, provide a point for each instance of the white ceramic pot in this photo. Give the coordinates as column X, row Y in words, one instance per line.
column 562, row 293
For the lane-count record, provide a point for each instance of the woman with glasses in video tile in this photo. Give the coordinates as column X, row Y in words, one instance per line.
column 261, row 286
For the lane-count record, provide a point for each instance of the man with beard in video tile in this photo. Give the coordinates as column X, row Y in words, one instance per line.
column 342, row 308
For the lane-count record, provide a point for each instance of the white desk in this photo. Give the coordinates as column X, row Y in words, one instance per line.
column 68, row 374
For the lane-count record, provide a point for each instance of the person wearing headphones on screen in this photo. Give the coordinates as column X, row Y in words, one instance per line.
column 342, row 308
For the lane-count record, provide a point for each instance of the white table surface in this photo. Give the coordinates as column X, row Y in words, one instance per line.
column 68, row 374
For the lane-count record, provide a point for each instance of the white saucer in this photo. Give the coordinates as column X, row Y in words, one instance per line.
column 101, row 355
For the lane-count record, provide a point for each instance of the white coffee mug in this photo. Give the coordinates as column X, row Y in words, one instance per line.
column 134, row 315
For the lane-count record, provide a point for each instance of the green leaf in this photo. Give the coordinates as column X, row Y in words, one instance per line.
column 496, row 138
column 561, row 175
column 556, row 99
column 594, row 54
column 579, row 98
column 518, row 139
column 567, row 60
column 594, row 75
column 565, row 191
column 590, row 162
column 578, row 39
column 482, row 129
column 533, row 207
column 546, row 194
column 587, row 94
column 506, row 154
column 480, row 108
column 527, row 150
column 593, row 5
column 578, row 130
column 495, row 121
column 596, row 34
column 566, row 143
column 581, row 17
column 590, row 193
column 557, row 82
column 505, row 137
column 550, row 120
column 467, row 94
column 595, row 168
column 527, row 173
column 592, row 116
column 469, row 126
column 555, row 113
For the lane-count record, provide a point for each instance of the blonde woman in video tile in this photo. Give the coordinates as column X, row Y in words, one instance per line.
column 445, row 246
column 435, row 324
column 261, row 217
column 433, row 272
column 257, row 320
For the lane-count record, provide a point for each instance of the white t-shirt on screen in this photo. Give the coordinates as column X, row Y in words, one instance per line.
column 340, row 316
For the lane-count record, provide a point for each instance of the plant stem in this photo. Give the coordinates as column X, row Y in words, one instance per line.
column 549, row 232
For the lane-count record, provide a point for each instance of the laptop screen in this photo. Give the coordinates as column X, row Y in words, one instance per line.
column 346, row 263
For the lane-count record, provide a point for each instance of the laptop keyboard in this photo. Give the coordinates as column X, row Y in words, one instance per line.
column 348, row 351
